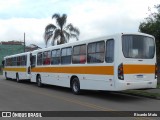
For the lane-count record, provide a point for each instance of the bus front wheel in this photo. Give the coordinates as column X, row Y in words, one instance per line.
column 39, row 83
column 75, row 86
column 17, row 78
column 6, row 76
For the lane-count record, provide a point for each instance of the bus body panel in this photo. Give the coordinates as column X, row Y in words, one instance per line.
column 91, row 76
column 22, row 71
column 139, row 73
column 87, row 81
column 60, row 75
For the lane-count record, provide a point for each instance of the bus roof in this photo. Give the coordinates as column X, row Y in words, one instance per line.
column 89, row 40
column 25, row 53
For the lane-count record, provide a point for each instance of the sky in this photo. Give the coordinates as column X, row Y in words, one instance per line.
column 94, row 18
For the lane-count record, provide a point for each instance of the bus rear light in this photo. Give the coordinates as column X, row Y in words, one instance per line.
column 156, row 71
column 120, row 72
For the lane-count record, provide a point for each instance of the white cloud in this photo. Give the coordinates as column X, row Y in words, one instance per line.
column 93, row 17
column 96, row 18
column 6, row 4
column 13, row 29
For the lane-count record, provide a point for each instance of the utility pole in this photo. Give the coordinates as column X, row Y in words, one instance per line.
column 24, row 43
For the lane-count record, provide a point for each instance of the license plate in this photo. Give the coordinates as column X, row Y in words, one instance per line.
column 139, row 76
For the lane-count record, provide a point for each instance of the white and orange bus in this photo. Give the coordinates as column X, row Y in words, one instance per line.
column 17, row 66
column 111, row 63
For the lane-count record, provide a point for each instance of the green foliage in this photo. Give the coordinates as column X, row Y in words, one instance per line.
column 6, row 50
column 158, row 85
column 151, row 25
column 143, row 93
column 61, row 33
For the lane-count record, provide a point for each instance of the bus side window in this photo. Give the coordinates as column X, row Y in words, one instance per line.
column 96, row 52
column 33, row 61
column 18, row 61
column 55, row 57
column 23, row 60
column 6, row 62
column 39, row 58
column 66, row 55
column 79, row 54
column 14, row 62
column 109, row 51
column 46, row 58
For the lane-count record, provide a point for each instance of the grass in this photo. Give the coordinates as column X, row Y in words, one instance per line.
column 158, row 85
column 143, row 93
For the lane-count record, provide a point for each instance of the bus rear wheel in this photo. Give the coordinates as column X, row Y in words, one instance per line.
column 39, row 83
column 6, row 76
column 75, row 86
column 17, row 78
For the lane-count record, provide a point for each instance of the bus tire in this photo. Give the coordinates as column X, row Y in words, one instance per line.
column 39, row 83
column 6, row 76
column 75, row 86
column 17, row 78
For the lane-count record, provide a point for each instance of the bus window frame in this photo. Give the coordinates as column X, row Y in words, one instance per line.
column 56, row 57
column 41, row 53
column 62, row 57
column 106, row 50
column 46, row 60
column 79, row 54
column 96, row 52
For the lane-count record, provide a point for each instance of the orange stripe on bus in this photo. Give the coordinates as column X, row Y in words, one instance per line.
column 15, row 69
column 136, row 69
column 102, row 70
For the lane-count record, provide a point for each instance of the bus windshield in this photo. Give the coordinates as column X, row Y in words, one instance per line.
column 138, row 46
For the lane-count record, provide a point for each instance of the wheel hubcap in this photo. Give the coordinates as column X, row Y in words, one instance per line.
column 75, row 86
column 17, row 78
column 39, row 81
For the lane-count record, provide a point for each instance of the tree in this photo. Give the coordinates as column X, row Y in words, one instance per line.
column 151, row 25
column 60, row 33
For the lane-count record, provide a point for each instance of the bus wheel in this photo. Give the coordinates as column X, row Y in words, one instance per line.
column 17, row 78
column 6, row 76
column 39, row 83
column 75, row 86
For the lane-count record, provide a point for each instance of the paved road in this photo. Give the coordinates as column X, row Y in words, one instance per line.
column 28, row 97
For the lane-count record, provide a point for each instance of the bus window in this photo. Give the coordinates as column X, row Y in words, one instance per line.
column 109, row 51
column 46, row 58
column 66, row 55
column 6, row 62
column 96, row 52
column 39, row 58
column 138, row 47
column 10, row 61
column 23, row 60
column 15, row 61
column 18, row 61
column 55, row 57
column 33, row 61
column 79, row 54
